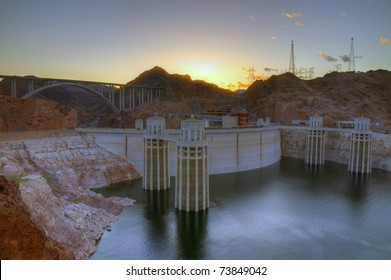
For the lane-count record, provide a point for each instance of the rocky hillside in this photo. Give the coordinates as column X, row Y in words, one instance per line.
column 32, row 242
column 34, row 114
column 179, row 86
column 336, row 96
column 55, row 176
column 91, row 111
column 184, row 96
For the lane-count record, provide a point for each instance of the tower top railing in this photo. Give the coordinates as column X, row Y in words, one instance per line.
column 362, row 124
column 156, row 125
column 192, row 130
column 316, row 121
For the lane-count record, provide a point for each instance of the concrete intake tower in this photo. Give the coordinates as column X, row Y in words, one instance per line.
column 156, row 164
column 192, row 174
column 314, row 151
column 361, row 147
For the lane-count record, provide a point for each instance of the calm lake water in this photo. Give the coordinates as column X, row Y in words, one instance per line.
column 284, row 211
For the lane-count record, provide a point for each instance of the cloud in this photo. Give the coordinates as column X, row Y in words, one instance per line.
column 292, row 15
column 384, row 41
column 267, row 69
column 273, row 38
column 327, row 57
column 242, row 85
column 345, row 58
column 343, row 14
column 231, row 86
column 252, row 19
column 299, row 24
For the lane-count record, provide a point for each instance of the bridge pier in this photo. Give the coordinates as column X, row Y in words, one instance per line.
column 314, row 152
column 156, row 164
column 192, row 174
column 361, row 147
column 13, row 87
column 31, row 85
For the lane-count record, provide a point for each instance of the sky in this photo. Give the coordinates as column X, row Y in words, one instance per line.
column 213, row 40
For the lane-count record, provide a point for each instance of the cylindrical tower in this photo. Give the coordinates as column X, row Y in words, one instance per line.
column 138, row 124
column 361, row 147
column 243, row 117
column 314, row 150
column 192, row 175
column 156, row 165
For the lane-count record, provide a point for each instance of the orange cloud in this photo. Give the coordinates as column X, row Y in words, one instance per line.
column 299, row 24
column 273, row 38
column 384, row 41
column 292, row 15
column 343, row 14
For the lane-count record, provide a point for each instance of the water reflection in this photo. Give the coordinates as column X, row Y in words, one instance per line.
column 357, row 185
column 192, row 230
column 157, row 204
column 284, row 211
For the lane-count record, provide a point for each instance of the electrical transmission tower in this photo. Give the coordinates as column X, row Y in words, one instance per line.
column 292, row 60
column 251, row 75
column 352, row 65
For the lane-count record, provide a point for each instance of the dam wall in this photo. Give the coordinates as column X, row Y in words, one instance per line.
column 337, row 145
column 230, row 150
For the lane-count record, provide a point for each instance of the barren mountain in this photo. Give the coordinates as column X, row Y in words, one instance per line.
column 179, row 86
column 336, row 96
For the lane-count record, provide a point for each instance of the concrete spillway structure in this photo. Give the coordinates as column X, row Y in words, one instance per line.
column 361, row 147
column 192, row 175
column 156, row 164
column 314, row 151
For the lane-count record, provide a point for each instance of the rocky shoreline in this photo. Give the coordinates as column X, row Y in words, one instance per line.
column 53, row 177
column 337, row 147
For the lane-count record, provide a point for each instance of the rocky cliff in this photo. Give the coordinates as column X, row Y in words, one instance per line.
column 55, row 175
column 336, row 96
column 337, row 146
column 21, row 114
column 21, row 237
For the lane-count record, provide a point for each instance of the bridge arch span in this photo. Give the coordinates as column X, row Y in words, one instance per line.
column 96, row 93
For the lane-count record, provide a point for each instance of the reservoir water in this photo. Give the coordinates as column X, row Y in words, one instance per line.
column 284, row 211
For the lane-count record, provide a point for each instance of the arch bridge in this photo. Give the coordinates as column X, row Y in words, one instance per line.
column 119, row 97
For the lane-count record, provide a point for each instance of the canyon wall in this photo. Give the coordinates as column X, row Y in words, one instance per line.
column 34, row 114
column 337, row 146
column 54, row 178
column 15, row 218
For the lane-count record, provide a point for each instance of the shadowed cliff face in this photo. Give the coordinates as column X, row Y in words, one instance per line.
column 21, row 114
column 21, row 238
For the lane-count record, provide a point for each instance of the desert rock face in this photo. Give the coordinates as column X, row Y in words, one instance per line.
column 336, row 96
column 21, row 237
column 21, row 114
column 55, row 175
column 337, row 146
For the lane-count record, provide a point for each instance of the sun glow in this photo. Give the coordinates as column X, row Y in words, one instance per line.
column 200, row 70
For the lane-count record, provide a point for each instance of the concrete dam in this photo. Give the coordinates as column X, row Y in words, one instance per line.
column 230, row 150
column 192, row 153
